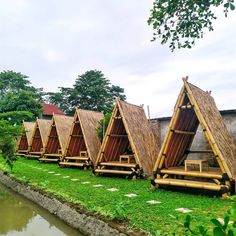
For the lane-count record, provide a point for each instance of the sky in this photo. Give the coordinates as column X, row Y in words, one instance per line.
column 54, row 41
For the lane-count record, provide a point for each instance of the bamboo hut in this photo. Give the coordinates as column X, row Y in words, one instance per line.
column 39, row 138
column 25, row 139
column 129, row 147
column 173, row 167
column 83, row 144
column 57, row 137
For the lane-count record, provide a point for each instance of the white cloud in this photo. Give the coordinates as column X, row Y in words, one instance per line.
column 53, row 42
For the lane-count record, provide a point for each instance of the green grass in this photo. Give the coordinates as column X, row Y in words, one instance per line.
column 114, row 205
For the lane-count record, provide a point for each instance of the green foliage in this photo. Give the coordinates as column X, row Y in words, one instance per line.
column 103, row 124
column 120, row 211
column 17, row 94
column 225, row 228
column 117, row 91
column 180, row 22
column 16, row 117
column 22, row 101
column 62, row 99
column 8, row 135
column 91, row 91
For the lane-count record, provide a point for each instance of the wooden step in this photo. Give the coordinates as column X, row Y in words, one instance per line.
column 48, row 159
column 20, row 154
column 77, row 158
column 190, row 184
column 32, row 156
column 120, row 172
column 119, row 164
column 35, row 153
column 182, row 172
column 52, row 155
column 63, row 163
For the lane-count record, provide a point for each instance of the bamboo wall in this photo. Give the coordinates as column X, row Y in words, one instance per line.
column 199, row 142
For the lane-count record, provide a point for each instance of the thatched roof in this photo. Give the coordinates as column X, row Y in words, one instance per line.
column 44, row 126
column 63, row 126
column 89, row 124
column 202, row 110
column 215, row 126
column 28, row 128
column 133, row 123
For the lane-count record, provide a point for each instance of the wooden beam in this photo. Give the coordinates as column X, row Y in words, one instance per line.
column 192, row 173
column 76, row 135
column 118, row 135
column 161, row 158
column 118, row 164
column 121, row 172
column 182, row 132
column 199, row 151
column 190, row 184
column 77, row 158
column 63, row 163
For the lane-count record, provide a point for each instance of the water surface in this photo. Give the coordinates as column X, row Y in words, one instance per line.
column 21, row 217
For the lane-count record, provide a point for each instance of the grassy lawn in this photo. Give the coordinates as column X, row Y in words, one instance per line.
column 87, row 192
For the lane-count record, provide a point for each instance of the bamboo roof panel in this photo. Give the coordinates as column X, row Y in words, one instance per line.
column 141, row 134
column 63, row 126
column 44, row 127
column 89, row 124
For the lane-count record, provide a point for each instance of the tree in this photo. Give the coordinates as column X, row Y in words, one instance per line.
column 91, row 91
column 8, row 135
column 22, row 101
column 16, row 117
column 62, row 99
column 117, row 91
column 180, row 22
column 13, row 82
column 17, row 94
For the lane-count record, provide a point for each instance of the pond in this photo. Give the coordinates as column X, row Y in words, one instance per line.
column 21, row 217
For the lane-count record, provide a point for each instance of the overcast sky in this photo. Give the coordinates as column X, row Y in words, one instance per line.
column 53, row 41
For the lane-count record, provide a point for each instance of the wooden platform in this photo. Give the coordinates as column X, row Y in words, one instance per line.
column 52, row 155
column 36, row 153
column 77, row 158
column 29, row 156
column 120, row 172
column 64, row 163
column 119, row 164
column 20, row 154
column 191, row 184
column 49, row 159
column 214, row 173
column 119, row 168
column 79, row 161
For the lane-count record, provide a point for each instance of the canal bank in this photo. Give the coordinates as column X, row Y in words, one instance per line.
column 85, row 223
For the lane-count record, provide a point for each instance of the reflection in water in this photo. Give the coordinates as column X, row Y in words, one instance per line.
column 21, row 217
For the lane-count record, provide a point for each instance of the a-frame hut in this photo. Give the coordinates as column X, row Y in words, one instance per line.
column 83, row 144
column 24, row 140
column 39, row 138
column 129, row 147
column 57, row 138
column 173, row 165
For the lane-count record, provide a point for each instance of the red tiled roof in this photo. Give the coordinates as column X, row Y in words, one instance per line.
column 49, row 109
